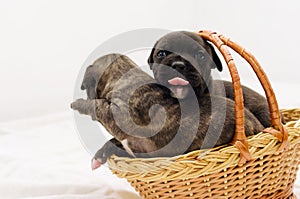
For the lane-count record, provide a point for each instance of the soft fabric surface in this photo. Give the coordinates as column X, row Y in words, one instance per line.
column 44, row 159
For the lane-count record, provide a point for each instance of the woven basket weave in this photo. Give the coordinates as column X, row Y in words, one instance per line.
column 261, row 166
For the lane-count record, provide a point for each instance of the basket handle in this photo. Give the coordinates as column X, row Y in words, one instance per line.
column 277, row 129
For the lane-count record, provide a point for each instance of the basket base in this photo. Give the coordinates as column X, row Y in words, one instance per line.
column 286, row 194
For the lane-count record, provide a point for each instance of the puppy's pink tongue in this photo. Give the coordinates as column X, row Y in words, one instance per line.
column 95, row 164
column 177, row 81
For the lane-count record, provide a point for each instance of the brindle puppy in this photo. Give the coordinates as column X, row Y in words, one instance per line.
column 145, row 120
column 179, row 59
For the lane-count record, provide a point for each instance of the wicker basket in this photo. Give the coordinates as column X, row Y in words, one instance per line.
column 261, row 166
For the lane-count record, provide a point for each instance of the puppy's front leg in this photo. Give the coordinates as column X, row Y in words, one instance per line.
column 111, row 147
column 100, row 110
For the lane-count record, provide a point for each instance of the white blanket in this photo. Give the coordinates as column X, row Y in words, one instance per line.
column 44, row 159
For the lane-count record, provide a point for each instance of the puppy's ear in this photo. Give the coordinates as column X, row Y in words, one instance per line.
column 89, row 85
column 215, row 58
column 82, row 86
column 150, row 58
column 86, row 78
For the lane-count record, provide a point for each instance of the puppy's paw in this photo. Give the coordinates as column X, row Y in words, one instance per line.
column 95, row 164
column 78, row 105
column 86, row 107
column 111, row 147
column 101, row 155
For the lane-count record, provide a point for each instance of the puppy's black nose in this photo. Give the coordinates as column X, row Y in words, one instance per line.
column 178, row 65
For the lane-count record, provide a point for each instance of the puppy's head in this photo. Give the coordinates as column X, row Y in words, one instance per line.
column 97, row 74
column 183, row 61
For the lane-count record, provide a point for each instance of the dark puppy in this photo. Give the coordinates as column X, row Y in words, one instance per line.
column 145, row 120
column 184, row 58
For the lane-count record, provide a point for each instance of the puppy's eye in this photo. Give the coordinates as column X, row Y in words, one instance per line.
column 200, row 55
column 161, row 53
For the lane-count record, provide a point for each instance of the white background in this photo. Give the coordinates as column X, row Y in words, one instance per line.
column 43, row 43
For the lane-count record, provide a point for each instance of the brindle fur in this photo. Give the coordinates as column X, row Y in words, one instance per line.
column 153, row 130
